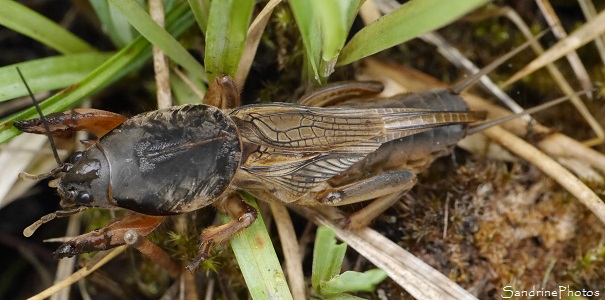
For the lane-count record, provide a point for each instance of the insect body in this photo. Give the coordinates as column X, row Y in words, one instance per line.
column 181, row 159
column 187, row 157
column 177, row 160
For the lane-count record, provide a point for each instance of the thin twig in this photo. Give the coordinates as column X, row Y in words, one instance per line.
column 588, row 32
column 554, row 170
column 75, row 277
column 210, row 289
column 369, row 12
column 65, row 266
column 189, row 286
column 255, row 32
column 460, row 61
column 415, row 276
column 590, row 12
column 160, row 64
column 574, row 60
column 199, row 93
column 290, row 247
column 559, row 78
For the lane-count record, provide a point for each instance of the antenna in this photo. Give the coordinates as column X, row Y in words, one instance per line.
column 488, row 124
column 472, row 79
column 44, row 122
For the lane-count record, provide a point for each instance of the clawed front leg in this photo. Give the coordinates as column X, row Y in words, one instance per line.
column 64, row 124
column 242, row 215
column 109, row 236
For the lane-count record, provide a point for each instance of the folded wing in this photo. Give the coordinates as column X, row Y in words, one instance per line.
column 295, row 148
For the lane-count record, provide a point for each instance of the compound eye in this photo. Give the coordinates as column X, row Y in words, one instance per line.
column 83, row 198
column 75, row 157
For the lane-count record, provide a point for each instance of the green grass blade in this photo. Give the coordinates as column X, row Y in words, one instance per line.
column 258, row 261
column 158, row 36
column 226, row 36
column 310, row 32
column 327, row 261
column 324, row 26
column 334, row 24
column 49, row 73
column 36, row 26
column 351, row 281
column 342, row 297
column 116, row 25
column 410, row 20
column 327, row 257
column 335, row 19
column 123, row 62
column 201, row 11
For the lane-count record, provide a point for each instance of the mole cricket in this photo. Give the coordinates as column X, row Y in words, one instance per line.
column 328, row 149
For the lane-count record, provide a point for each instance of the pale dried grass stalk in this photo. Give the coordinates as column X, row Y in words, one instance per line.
column 255, row 33
column 415, row 276
column 290, row 248
column 574, row 60
column 160, row 63
column 75, row 277
column 557, row 76
column 550, row 167
column 587, row 33
column 590, row 12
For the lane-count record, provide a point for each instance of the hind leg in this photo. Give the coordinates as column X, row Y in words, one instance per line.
column 386, row 188
column 363, row 190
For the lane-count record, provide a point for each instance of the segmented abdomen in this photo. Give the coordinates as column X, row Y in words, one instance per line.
column 415, row 152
